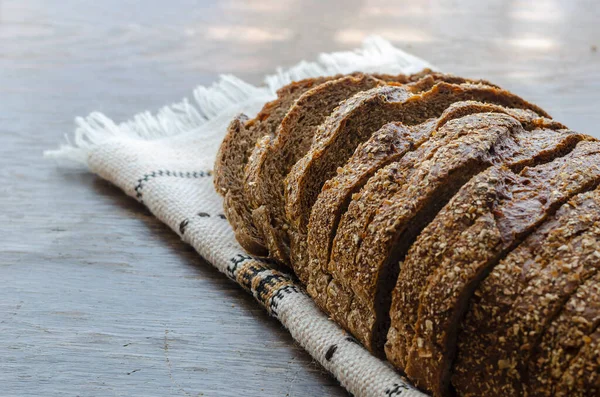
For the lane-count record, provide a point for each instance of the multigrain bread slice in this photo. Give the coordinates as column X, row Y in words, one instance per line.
column 233, row 154
column 512, row 206
column 582, row 378
column 518, row 300
column 387, row 145
column 424, row 186
column 564, row 338
column 353, row 122
column 272, row 158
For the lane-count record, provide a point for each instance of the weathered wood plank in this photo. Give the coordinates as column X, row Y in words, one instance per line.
column 96, row 296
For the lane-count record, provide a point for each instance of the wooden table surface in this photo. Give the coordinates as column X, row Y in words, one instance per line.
column 97, row 298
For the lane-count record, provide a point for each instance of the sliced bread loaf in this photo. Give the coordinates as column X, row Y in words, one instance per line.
column 402, row 216
column 520, row 203
column 424, row 186
column 274, row 154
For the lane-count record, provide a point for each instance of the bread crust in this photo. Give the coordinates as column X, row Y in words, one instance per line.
column 422, row 191
column 582, row 378
column 447, row 218
column 564, row 338
column 518, row 300
column 352, row 123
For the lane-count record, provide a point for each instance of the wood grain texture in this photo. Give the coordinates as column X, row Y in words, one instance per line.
column 96, row 296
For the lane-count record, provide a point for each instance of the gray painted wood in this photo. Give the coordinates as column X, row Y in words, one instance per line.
column 96, row 296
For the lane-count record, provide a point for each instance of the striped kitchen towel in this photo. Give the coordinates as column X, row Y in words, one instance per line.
column 165, row 160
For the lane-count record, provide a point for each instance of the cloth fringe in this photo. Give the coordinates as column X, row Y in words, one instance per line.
column 229, row 95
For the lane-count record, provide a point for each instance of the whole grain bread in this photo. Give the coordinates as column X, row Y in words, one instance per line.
column 582, row 378
column 453, row 213
column 564, row 338
column 245, row 145
column 353, row 122
column 353, row 224
column 275, row 153
column 520, row 202
column 419, row 262
column 234, row 152
column 387, row 145
column 501, row 329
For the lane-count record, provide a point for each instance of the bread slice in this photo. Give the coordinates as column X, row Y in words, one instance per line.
column 582, row 379
column 512, row 206
column 233, row 154
column 387, row 145
column 514, row 305
column 272, row 158
column 564, row 338
column 353, row 122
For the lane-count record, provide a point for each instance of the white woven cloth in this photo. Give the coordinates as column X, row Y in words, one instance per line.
column 165, row 162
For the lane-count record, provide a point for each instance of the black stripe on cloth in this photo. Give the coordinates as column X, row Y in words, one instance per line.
column 397, row 390
column 160, row 173
column 234, row 264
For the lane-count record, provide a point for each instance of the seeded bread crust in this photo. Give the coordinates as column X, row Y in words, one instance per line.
column 370, row 200
column 501, row 328
column 234, row 152
column 347, row 244
column 361, row 320
column 582, row 379
column 387, row 145
column 272, row 158
column 523, row 201
column 565, row 337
